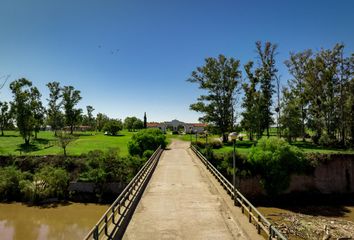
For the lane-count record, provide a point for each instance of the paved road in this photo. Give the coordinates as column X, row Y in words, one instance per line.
column 180, row 202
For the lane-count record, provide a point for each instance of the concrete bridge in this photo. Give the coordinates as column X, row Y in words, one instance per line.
column 180, row 199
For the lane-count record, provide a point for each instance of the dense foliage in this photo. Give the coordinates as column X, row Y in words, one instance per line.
column 275, row 160
column 146, row 139
column 220, row 78
column 113, row 126
column 320, row 96
column 133, row 123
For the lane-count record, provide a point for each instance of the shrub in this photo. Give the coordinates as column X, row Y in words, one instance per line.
column 324, row 140
column 199, row 145
column 50, row 182
column 147, row 154
column 224, row 164
column 147, row 139
column 216, row 144
column 274, row 160
column 10, row 178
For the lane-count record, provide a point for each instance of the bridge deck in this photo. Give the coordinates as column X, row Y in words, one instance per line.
column 181, row 202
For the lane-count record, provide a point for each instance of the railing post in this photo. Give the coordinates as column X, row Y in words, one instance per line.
column 95, row 233
column 113, row 216
column 249, row 214
column 259, row 225
column 270, row 232
column 105, row 225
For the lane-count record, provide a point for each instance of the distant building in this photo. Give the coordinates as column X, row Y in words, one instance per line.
column 177, row 125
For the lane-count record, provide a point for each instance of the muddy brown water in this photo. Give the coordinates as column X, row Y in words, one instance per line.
column 64, row 221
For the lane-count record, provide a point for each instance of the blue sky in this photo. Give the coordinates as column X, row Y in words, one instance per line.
column 155, row 45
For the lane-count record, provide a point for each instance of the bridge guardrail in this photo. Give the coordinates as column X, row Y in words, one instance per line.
column 254, row 216
column 114, row 221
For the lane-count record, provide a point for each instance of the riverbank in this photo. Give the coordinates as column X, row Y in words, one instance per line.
column 332, row 222
column 57, row 221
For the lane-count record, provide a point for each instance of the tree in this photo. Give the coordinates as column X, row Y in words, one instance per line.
column 145, row 120
column 25, row 102
column 251, row 120
column 133, row 123
column 128, row 123
column 38, row 111
column 220, row 77
column 113, row 126
column 64, row 139
column 71, row 97
column 55, row 117
column 291, row 115
column 138, row 124
column 5, row 116
column 267, row 71
column 297, row 66
column 101, row 120
column 90, row 118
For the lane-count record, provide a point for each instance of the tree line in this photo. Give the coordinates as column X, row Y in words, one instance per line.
column 317, row 102
column 27, row 113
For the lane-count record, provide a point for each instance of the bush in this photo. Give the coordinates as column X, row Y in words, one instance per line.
column 199, row 145
column 147, row 139
column 225, row 165
column 147, row 154
column 10, row 178
column 274, row 160
column 51, row 182
column 216, row 144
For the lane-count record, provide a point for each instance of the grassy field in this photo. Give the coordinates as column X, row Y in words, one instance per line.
column 244, row 146
column 12, row 143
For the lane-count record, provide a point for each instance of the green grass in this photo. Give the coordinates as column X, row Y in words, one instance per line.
column 12, row 143
column 244, row 146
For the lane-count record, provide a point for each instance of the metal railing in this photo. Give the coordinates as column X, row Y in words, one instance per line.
column 114, row 221
column 254, row 216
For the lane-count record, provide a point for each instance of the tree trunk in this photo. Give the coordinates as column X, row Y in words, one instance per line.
column 27, row 141
column 224, row 138
column 352, row 125
column 35, row 134
column 64, row 151
column 268, row 131
column 2, row 132
column 71, row 129
column 303, row 123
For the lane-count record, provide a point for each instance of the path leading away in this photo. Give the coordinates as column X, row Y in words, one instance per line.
column 181, row 202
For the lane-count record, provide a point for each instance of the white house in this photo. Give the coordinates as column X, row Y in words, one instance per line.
column 177, row 125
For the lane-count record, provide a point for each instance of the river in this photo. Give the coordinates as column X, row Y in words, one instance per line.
column 55, row 222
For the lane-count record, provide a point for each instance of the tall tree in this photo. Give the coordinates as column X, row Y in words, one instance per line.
column 55, row 116
column 251, row 120
column 101, row 120
column 90, row 118
column 220, row 77
column 267, row 73
column 71, row 98
column 291, row 115
column 297, row 66
column 25, row 99
column 38, row 111
column 145, row 120
column 5, row 116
